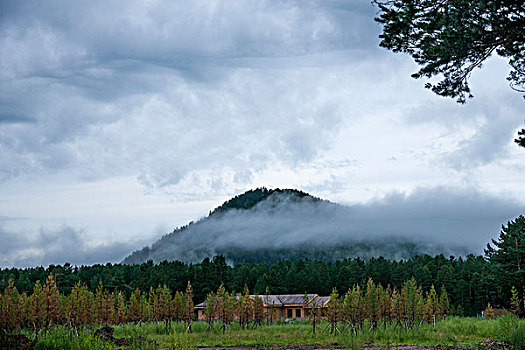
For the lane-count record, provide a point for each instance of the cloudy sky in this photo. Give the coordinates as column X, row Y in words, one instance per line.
column 120, row 120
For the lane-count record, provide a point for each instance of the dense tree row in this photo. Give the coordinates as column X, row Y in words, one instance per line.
column 45, row 306
column 376, row 304
column 405, row 307
column 224, row 306
column 471, row 282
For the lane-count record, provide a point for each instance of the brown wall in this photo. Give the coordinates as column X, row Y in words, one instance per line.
column 280, row 312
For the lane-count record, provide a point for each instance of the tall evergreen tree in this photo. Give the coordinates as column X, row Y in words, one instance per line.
column 52, row 300
column 450, row 39
column 507, row 259
column 188, row 306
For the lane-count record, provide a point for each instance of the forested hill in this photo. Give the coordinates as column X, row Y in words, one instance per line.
column 251, row 198
column 268, row 225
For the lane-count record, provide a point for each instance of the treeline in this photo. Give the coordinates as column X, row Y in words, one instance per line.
column 469, row 281
column 374, row 303
column 46, row 306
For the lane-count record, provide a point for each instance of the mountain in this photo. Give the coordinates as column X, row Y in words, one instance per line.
column 268, row 225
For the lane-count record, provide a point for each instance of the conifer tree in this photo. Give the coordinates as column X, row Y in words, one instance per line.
column 506, row 259
column 372, row 303
column 411, row 300
column 489, row 312
column 514, row 301
column 209, row 309
column 100, row 312
column 135, row 310
column 225, row 307
column 154, row 304
column 109, row 306
column 258, row 310
column 147, row 310
column 269, row 312
column 164, row 304
column 354, row 308
column 314, row 311
column 397, row 308
column 63, row 302
column 444, row 302
column 244, row 306
column 345, row 309
column 76, row 306
column 334, row 311
column 403, row 306
column 385, row 305
column 188, row 306
column 432, row 307
column 178, row 306
column 51, row 296
column 90, row 307
column 450, row 39
column 37, row 307
column 12, row 310
column 4, row 312
column 121, row 314
column 420, row 306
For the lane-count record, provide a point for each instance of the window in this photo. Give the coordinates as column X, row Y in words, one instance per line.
column 290, row 315
column 298, row 313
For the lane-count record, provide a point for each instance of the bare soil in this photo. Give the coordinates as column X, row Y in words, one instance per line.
column 16, row 342
column 315, row 346
column 106, row 333
column 488, row 344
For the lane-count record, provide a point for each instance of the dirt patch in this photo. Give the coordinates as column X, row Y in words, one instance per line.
column 491, row 344
column 316, row 346
column 106, row 333
column 488, row 344
column 16, row 342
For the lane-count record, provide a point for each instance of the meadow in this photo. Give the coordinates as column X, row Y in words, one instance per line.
column 453, row 331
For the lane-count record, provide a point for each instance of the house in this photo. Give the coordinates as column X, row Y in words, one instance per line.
column 282, row 305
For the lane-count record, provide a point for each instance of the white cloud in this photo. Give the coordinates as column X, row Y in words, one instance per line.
column 58, row 245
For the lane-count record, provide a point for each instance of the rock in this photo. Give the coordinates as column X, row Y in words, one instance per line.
column 492, row 344
column 105, row 332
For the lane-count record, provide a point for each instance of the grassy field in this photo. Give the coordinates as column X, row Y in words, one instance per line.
column 453, row 331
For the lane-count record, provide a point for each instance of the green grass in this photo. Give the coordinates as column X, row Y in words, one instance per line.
column 65, row 338
column 453, row 331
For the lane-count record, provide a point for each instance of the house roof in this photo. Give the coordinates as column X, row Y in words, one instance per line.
column 322, row 301
column 284, row 299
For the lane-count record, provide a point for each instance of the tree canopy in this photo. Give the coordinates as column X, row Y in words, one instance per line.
column 450, row 38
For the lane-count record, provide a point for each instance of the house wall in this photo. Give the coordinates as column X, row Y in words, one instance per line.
column 297, row 311
column 290, row 311
column 200, row 314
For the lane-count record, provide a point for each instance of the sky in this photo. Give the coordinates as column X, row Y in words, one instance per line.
column 122, row 120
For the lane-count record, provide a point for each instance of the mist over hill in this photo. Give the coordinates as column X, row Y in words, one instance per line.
column 265, row 225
